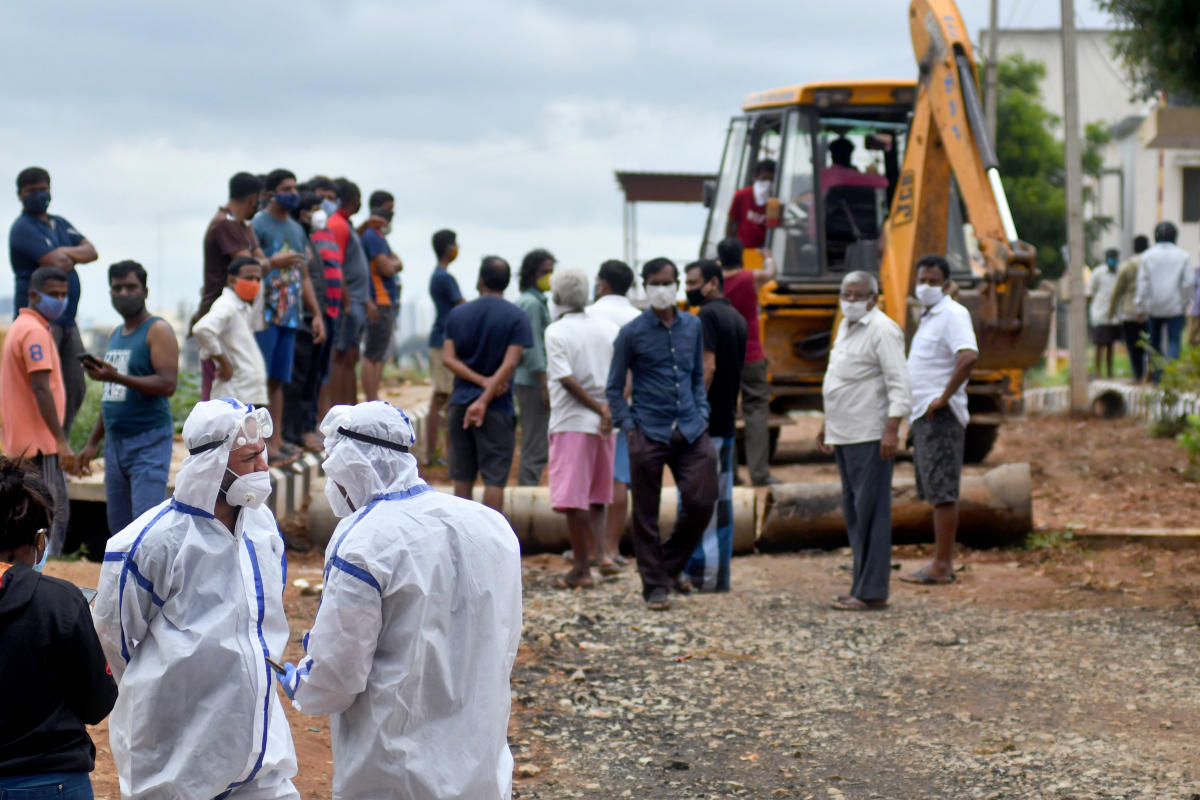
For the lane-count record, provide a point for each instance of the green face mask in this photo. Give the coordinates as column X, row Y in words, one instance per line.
column 544, row 283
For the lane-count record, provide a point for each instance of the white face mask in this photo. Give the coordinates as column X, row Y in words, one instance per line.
column 928, row 295
column 386, row 229
column 250, row 490
column 661, row 297
column 762, row 190
column 854, row 310
column 319, row 219
column 337, row 501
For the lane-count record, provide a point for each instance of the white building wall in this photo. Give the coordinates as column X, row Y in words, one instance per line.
column 1103, row 93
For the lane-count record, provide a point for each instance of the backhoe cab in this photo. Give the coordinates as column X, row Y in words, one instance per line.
column 871, row 175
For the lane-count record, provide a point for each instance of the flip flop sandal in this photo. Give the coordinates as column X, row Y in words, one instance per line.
column 608, row 570
column 923, row 578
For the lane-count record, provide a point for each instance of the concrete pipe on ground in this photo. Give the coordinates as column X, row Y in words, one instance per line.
column 542, row 529
column 995, row 508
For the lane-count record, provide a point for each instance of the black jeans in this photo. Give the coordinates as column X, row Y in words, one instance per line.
column 694, row 466
column 1131, row 331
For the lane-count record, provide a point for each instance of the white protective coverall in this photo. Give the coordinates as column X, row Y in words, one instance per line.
column 418, row 626
column 187, row 613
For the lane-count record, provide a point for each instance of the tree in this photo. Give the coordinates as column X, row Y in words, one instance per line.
column 1033, row 163
column 1159, row 42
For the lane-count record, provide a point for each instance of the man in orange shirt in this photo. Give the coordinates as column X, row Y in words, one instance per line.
column 33, row 401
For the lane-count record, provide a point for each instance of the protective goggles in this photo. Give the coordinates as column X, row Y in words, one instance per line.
column 254, row 427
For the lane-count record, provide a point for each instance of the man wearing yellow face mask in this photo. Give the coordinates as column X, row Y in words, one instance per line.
column 529, row 382
column 226, row 335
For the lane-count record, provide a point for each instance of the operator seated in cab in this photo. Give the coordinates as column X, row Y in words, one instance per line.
column 748, row 211
column 842, row 173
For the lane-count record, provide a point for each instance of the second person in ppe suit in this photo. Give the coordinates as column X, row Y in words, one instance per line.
column 418, row 627
column 190, row 607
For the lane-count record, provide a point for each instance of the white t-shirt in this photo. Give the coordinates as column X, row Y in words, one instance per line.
column 578, row 346
column 945, row 329
column 615, row 308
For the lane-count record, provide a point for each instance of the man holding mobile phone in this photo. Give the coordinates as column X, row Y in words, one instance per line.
column 139, row 371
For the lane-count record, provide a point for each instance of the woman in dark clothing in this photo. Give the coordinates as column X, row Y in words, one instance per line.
column 55, row 676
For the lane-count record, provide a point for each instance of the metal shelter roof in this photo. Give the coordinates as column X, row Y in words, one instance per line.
column 662, row 187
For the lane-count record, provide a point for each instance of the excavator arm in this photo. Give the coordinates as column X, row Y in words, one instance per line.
column 948, row 138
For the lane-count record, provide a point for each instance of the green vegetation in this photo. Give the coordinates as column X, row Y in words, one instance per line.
column 187, row 394
column 1050, row 540
column 1033, row 163
column 1159, row 42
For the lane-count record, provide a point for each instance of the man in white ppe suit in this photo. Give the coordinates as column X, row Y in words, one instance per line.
column 412, row 646
column 190, row 607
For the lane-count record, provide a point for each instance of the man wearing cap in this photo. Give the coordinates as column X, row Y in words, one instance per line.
column 190, row 613
column 418, row 627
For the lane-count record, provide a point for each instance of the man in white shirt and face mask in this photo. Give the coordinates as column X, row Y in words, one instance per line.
column 940, row 360
column 866, row 394
column 189, row 613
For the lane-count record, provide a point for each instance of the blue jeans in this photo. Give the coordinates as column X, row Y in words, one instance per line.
column 135, row 474
column 1173, row 326
column 55, row 786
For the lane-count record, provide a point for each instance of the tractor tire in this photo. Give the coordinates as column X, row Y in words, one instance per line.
column 979, row 442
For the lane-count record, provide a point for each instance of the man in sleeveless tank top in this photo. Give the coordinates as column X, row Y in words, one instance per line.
column 139, row 371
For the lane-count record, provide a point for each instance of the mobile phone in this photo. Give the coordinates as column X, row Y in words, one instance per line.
column 88, row 358
column 277, row 667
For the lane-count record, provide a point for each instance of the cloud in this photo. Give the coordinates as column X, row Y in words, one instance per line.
column 503, row 119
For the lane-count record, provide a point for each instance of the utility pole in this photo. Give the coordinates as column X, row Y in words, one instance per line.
column 1077, row 333
column 989, row 76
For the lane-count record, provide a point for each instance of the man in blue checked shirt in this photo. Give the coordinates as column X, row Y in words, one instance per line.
column 666, row 426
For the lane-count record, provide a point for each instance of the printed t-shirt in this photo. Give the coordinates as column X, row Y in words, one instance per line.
column 28, row 347
column 282, row 288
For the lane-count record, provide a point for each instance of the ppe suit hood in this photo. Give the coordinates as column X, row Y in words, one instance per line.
column 361, row 453
column 199, row 479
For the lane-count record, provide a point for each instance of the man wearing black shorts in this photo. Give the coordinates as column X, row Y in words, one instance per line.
column 484, row 342
column 940, row 360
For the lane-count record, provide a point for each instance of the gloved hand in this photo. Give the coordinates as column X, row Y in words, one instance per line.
column 289, row 681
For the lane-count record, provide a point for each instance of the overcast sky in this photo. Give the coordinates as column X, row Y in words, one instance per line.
column 503, row 120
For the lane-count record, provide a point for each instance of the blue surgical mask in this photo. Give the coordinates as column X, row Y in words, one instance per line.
column 45, row 554
column 36, row 203
column 288, row 201
column 330, row 207
column 50, row 307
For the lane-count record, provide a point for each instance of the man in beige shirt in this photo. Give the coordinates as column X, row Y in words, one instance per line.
column 866, row 394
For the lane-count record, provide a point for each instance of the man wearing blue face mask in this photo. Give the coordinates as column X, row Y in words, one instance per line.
column 285, row 285
column 34, row 399
column 39, row 239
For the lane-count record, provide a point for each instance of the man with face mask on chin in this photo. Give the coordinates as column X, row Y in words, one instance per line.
column 667, row 425
column 866, row 395
column 190, row 615
column 412, row 647
column 139, row 371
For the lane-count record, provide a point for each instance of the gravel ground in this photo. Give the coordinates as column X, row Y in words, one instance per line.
column 767, row 692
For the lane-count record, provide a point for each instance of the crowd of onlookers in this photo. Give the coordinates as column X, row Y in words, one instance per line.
column 1146, row 301
column 294, row 297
